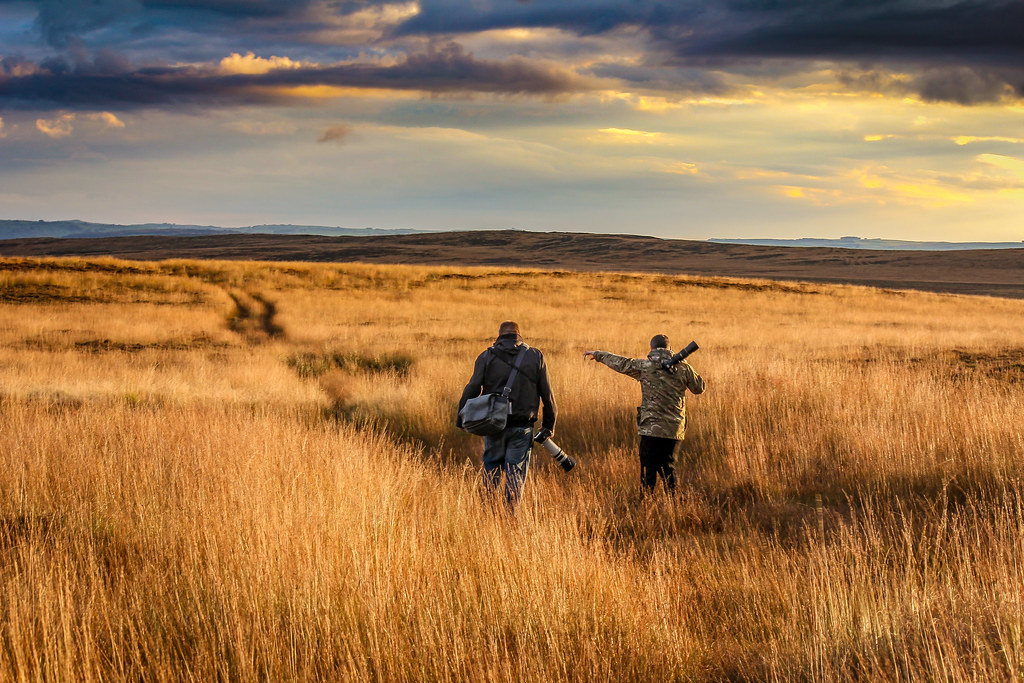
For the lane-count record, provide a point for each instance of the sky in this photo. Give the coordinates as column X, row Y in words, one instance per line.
column 897, row 119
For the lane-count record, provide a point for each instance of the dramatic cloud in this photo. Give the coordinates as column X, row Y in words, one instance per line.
column 963, row 51
column 443, row 70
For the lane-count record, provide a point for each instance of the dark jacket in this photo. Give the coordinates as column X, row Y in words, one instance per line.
column 491, row 371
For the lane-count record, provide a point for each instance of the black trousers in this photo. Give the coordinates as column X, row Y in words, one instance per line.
column 658, row 456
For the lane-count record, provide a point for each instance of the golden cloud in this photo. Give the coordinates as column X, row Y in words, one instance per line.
column 107, row 118
column 249, row 63
column 968, row 139
column 624, row 136
column 60, row 127
column 330, row 92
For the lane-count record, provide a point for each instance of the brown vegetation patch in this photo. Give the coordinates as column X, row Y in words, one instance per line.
column 74, row 265
column 959, row 364
column 1006, row 365
column 315, row 364
column 741, row 285
column 44, row 293
column 108, row 345
column 39, row 292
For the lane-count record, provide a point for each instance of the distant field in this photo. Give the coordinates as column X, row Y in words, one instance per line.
column 993, row 272
column 230, row 470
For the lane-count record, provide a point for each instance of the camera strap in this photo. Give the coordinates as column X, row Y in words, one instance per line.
column 507, row 391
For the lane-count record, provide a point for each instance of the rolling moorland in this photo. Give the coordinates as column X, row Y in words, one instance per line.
column 217, row 470
column 996, row 272
column 75, row 229
column 21, row 229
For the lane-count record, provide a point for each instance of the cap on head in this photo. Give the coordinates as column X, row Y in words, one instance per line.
column 659, row 341
column 509, row 327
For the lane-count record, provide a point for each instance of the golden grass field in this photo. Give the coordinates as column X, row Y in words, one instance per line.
column 250, row 472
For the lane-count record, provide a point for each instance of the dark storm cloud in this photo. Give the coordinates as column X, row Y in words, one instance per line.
column 830, row 29
column 104, row 84
column 972, row 30
column 965, row 51
column 968, row 51
column 960, row 84
column 61, row 21
column 985, row 30
column 584, row 18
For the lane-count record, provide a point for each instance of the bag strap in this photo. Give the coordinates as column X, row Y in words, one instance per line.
column 507, row 391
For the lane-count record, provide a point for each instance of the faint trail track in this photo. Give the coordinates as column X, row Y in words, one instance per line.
column 254, row 317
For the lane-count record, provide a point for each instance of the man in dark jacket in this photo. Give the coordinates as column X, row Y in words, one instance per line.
column 509, row 451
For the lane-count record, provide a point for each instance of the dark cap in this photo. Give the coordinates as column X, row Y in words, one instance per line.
column 509, row 327
column 659, row 341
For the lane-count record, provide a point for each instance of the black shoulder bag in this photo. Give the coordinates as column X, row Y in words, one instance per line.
column 487, row 415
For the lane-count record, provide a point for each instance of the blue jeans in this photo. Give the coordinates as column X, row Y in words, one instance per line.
column 508, row 452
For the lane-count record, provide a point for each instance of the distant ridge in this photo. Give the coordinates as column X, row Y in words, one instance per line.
column 19, row 229
column 995, row 272
column 870, row 243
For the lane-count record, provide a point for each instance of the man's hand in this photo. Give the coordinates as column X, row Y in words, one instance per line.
column 543, row 435
column 589, row 354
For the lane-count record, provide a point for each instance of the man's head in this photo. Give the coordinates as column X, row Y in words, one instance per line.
column 659, row 341
column 509, row 327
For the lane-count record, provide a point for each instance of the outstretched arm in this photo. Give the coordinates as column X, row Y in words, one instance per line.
column 627, row 366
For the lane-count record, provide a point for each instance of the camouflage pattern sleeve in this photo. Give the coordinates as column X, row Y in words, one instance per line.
column 690, row 379
column 627, row 366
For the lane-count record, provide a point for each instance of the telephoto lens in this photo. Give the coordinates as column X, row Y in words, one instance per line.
column 671, row 362
column 561, row 457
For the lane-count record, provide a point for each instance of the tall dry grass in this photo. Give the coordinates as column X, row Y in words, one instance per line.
column 187, row 494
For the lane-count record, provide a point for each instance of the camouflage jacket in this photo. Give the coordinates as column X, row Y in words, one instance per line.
column 662, row 410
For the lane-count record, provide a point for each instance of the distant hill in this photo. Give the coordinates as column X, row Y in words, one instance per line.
column 15, row 229
column 870, row 243
column 74, row 229
column 996, row 272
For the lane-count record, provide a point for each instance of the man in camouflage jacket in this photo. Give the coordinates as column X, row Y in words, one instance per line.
column 661, row 417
